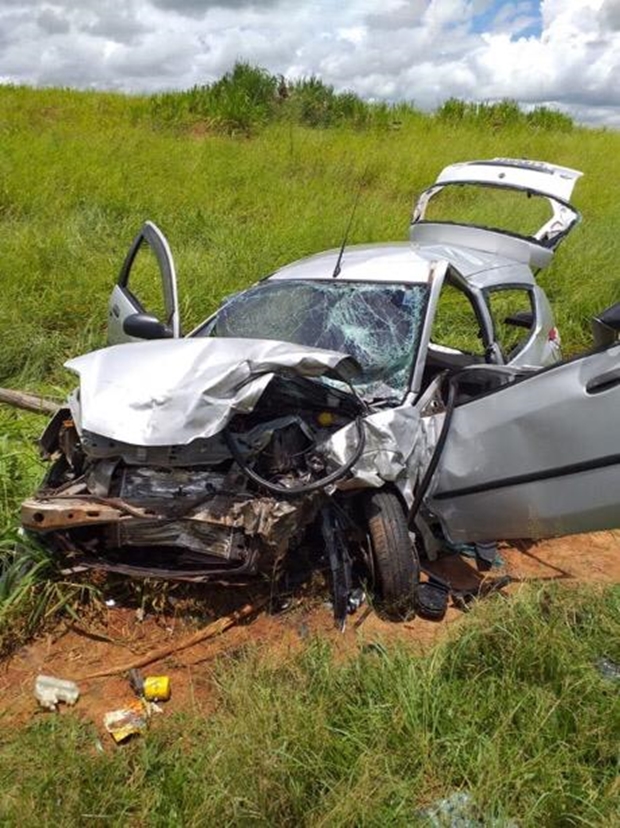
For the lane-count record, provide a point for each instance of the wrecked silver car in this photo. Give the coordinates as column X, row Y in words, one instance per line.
column 357, row 406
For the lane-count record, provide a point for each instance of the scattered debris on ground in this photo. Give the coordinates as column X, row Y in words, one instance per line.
column 131, row 720
column 99, row 654
column 609, row 669
column 50, row 691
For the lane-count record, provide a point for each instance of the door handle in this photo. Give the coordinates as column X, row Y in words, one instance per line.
column 604, row 382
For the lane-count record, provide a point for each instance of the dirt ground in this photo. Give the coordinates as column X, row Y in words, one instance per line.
column 120, row 635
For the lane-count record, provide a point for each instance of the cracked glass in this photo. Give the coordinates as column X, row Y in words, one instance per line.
column 378, row 324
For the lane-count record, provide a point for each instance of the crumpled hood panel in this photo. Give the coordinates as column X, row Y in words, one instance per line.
column 172, row 391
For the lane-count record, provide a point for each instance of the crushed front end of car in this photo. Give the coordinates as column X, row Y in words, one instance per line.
column 191, row 459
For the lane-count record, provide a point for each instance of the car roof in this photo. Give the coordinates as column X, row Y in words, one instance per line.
column 480, row 268
column 404, row 262
column 392, row 262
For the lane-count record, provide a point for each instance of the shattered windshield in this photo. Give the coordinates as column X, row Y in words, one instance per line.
column 378, row 324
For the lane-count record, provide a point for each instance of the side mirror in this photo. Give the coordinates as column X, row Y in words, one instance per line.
column 145, row 326
column 606, row 326
column 521, row 319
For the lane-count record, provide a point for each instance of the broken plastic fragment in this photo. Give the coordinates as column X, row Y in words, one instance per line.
column 49, row 691
column 608, row 669
column 128, row 721
column 357, row 597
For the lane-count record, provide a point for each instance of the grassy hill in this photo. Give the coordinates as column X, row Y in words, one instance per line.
column 241, row 184
column 79, row 173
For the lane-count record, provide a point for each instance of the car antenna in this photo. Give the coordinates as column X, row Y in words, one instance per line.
column 346, row 232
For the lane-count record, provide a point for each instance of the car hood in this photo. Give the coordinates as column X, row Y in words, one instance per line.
column 170, row 392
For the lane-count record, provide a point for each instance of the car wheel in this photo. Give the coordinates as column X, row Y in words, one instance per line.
column 395, row 559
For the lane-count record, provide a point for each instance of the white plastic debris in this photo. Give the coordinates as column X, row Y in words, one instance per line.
column 49, row 691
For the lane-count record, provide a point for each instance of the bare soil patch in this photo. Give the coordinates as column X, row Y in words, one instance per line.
column 75, row 650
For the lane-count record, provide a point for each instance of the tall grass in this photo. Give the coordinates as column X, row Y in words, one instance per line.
column 248, row 97
column 506, row 113
column 511, row 711
column 34, row 591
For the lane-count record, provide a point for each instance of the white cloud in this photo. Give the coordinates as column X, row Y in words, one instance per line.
column 421, row 50
column 611, row 14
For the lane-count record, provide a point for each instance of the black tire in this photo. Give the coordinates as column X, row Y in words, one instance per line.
column 395, row 559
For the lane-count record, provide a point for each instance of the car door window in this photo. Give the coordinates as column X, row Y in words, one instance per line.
column 145, row 283
column 512, row 310
column 456, row 325
column 536, row 457
column 146, row 286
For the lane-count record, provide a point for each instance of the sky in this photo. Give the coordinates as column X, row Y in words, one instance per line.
column 564, row 53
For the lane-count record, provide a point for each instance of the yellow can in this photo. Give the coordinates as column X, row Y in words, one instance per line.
column 156, row 688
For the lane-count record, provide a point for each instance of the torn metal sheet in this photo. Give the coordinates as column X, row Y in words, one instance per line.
column 271, row 519
column 393, row 441
column 170, row 392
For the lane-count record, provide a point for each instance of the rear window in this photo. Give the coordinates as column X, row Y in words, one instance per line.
column 511, row 211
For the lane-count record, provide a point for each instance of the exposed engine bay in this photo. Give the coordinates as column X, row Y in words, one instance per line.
column 190, row 512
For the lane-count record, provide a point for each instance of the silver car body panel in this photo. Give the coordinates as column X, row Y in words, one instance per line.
column 551, row 181
column 393, row 262
column 495, row 242
column 536, row 458
column 541, row 177
column 543, row 344
column 171, row 392
column 479, row 267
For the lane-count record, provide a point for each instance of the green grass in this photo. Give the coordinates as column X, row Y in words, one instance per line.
column 79, row 173
column 34, row 591
column 511, row 710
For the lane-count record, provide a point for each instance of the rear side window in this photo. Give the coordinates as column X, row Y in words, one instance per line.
column 456, row 325
column 513, row 315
